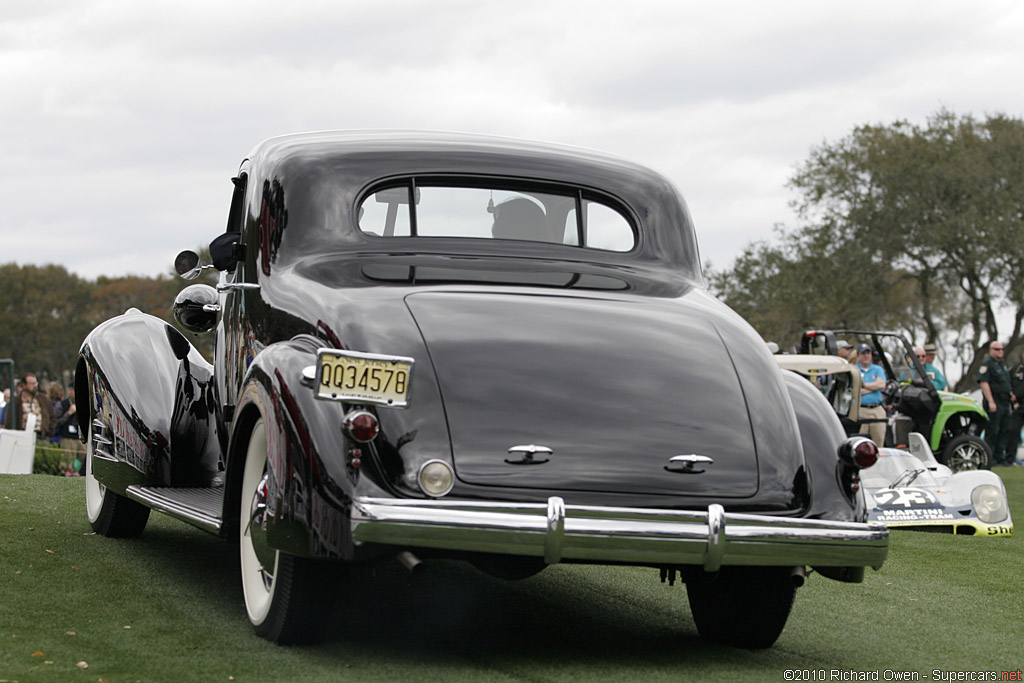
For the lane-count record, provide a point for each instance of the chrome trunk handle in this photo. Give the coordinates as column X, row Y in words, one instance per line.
column 685, row 464
column 528, row 454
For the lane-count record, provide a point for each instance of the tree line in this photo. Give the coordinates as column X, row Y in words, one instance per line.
column 46, row 312
column 906, row 227
column 913, row 228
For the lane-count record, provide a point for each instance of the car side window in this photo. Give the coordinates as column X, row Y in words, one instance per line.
column 495, row 213
column 237, row 209
column 603, row 227
column 385, row 213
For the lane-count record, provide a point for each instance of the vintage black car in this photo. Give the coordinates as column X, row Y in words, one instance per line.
column 440, row 345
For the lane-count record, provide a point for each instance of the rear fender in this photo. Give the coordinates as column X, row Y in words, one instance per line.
column 821, row 433
column 155, row 400
column 311, row 481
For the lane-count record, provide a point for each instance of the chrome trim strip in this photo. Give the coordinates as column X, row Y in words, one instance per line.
column 103, row 455
column 711, row 538
column 230, row 286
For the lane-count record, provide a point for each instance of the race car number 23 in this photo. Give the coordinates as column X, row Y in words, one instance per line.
column 907, row 498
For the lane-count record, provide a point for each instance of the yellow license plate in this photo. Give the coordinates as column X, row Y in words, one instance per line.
column 363, row 377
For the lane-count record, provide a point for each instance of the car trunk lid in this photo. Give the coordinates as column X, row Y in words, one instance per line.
column 615, row 388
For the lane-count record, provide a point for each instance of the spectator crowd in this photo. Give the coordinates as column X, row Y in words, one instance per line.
column 1002, row 394
column 55, row 425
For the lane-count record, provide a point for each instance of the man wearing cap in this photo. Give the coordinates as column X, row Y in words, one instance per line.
column 872, row 414
column 937, row 378
column 843, row 350
column 994, row 379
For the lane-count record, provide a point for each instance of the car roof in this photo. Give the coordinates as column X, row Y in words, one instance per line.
column 357, row 159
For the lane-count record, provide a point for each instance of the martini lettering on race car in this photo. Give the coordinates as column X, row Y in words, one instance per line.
column 890, row 515
column 907, row 498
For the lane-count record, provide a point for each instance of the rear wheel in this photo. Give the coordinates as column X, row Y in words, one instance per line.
column 967, row 452
column 742, row 606
column 110, row 514
column 287, row 597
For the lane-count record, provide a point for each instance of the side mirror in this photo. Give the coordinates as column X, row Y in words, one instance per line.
column 196, row 308
column 188, row 265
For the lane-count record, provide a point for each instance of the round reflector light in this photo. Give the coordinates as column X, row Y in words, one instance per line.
column 436, row 478
column 361, row 425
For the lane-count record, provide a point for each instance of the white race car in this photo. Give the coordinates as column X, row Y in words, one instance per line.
column 908, row 488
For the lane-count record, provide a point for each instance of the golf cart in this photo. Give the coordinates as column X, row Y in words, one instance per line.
column 951, row 422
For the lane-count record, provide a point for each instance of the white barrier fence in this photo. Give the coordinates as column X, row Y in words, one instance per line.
column 18, row 448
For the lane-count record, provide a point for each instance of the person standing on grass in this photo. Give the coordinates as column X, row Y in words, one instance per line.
column 994, row 380
column 872, row 413
column 1017, row 416
column 67, row 434
column 30, row 401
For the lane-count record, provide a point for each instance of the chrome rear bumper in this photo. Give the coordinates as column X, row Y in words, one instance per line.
column 558, row 532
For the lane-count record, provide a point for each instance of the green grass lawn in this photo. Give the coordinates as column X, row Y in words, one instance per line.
column 168, row 607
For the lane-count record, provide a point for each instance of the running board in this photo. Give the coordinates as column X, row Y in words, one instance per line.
column 199, row 507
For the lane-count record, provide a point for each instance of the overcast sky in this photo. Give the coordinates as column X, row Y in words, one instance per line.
column 122, row 121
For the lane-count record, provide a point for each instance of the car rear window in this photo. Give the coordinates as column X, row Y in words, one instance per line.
column 557, row 217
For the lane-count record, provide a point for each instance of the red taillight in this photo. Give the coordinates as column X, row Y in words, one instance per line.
column 865, row 454
column 859, row 452
column 361, row 426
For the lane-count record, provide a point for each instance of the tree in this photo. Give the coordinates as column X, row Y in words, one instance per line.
column 793, row 286
column 46, row 312
column 937, row 211
column 43, row 318
column 944, row 203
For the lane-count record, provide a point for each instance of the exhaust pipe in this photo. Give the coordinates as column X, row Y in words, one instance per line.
column 798, row 576
column 408, row 560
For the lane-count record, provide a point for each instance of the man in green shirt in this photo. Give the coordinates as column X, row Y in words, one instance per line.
column 994, row 379
column 1017, row 416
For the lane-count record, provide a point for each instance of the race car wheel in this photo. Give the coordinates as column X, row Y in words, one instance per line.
column 110, row 514
column 966, row 452
column 742, row 606
column 286, row 596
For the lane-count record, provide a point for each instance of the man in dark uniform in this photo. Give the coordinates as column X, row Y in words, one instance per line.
column 994, row 379
column 1017, row 416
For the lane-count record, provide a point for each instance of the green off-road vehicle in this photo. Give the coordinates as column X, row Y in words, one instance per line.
column 952, row 423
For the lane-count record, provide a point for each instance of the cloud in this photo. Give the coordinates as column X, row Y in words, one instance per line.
column 124, row 120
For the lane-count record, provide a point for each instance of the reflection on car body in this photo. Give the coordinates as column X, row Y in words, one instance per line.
column 572, row 393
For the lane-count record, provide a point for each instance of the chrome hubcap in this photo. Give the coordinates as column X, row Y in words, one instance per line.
column 257, row 531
